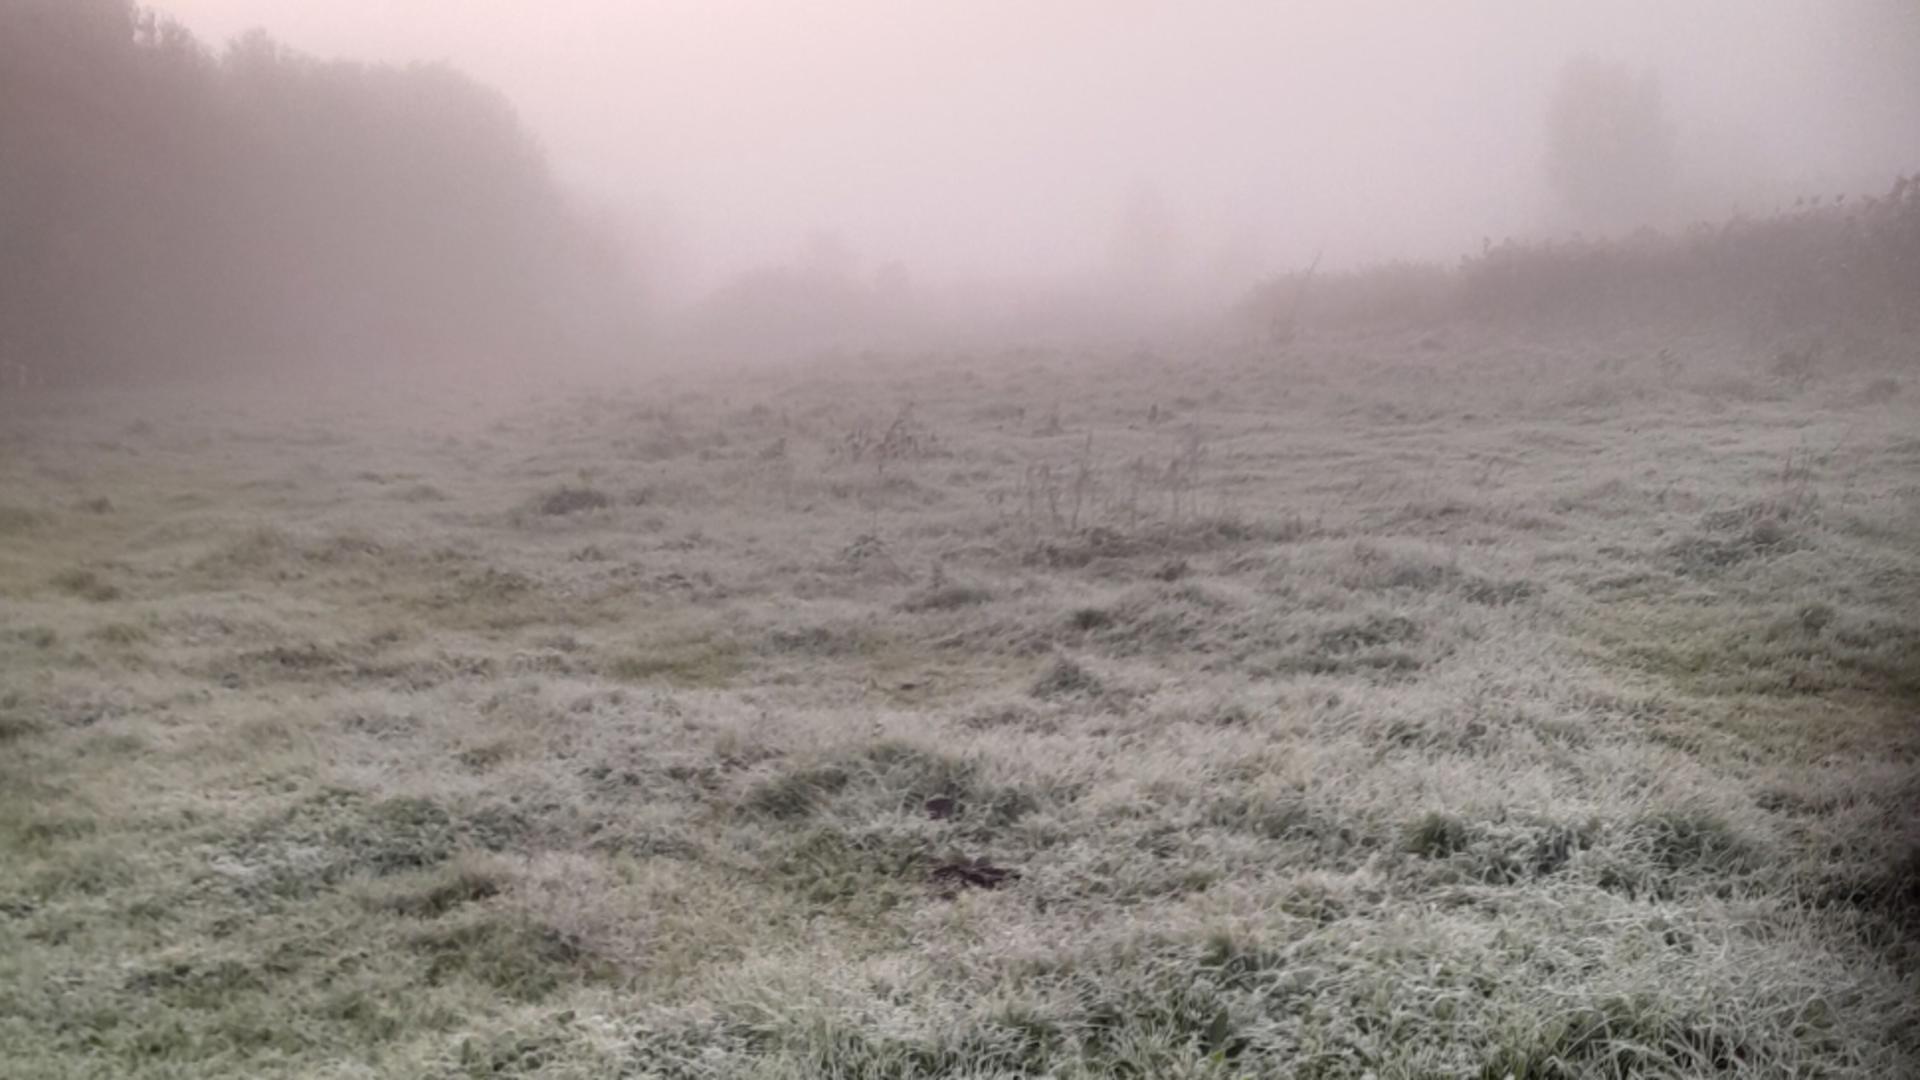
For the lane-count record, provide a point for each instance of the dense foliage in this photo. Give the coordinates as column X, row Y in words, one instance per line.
column 1822, row 265
column 165, row 208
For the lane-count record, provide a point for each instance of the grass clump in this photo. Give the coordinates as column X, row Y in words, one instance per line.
column 16, row 520
column 1437, row 835
column 1497, row 592
column 1066, row 678
column 946, row 596
column 1889, row 890
column 1086, row 620
column 566, row 499
column 1693, row 842
column 1500, row 852
column 433, row 893
column 16, row 725
column 689, row 664
column 1371, row 632
column 421, row 493
column 1266, row 815
column 798, row 793
column 1624, row 1035
column 507, row 953
column 1375, row 645
column 87, row 585
column 319, row 843
column 119, row 634
column 258, row 549
column 855, row 871
column 197, row 984
column 1740, row 538
column 393, row 835
column 889, row 777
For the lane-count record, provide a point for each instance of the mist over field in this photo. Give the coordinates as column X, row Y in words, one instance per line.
column 672, row 539
column 1008, row 140
column 788, row 177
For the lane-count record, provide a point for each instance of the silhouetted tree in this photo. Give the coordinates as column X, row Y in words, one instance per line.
column 162, row 207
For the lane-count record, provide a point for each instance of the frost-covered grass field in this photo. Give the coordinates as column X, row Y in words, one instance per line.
column 1393, row 708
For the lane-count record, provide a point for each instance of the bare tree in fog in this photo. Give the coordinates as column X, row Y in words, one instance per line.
column 1145, row 242
column 1610, row 146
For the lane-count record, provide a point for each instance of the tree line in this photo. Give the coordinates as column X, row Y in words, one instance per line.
column 164, row 208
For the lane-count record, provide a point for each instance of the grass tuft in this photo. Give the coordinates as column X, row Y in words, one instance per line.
column 1067, row 678
column 565, row 500
column 87, row 585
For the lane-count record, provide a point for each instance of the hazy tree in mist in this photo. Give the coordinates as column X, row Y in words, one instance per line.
column 164, row 207
column 1610, row 147
column 816, row 299
column 826, row 256
column 1146, row 241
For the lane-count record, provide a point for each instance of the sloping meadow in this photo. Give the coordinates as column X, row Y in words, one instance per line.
column 1545, row 714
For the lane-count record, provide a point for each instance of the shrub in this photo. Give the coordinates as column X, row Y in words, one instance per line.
column 1840, row 265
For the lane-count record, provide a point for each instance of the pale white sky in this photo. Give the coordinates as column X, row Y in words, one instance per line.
column 1003, row 136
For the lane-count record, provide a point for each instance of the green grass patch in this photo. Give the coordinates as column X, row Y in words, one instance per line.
column 690, row 663
column 505, row 953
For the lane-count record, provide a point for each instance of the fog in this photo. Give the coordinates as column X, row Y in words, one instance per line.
column 960, row 538
column 1001, row 139
column 234, row 180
